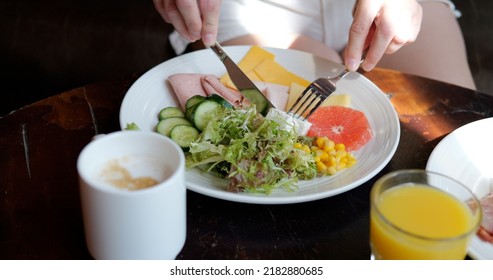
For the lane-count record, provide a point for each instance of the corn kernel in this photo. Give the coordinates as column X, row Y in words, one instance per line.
column 332, row 161
column 340, row 147
column 340, row 154
column 332, row 170
column 329, row 145
column 330, row 157
column 305, row 148
column 321, row 167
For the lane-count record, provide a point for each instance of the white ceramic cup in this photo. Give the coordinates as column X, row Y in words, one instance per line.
column 147, row 223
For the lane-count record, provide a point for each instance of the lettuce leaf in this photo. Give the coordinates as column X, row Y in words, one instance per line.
column 258, row 153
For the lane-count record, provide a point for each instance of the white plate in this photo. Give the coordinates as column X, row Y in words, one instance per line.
column 466, row 155
column 150, row 93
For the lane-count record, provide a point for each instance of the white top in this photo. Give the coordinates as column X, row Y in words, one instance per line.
column 327, row 21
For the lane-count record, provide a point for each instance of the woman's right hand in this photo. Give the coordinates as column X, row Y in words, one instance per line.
column 192, row 19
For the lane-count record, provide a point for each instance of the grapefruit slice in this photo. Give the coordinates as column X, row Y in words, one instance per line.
column 341, row 125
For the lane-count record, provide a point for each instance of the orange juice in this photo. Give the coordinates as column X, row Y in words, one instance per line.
column 416, row 221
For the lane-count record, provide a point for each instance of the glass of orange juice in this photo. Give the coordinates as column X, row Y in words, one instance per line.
column 417, row 214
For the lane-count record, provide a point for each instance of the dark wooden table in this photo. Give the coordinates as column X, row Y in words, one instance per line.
column 40, row 215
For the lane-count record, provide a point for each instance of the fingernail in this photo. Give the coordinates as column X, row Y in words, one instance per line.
column 352, row 65
column 367, row 66
column 208, row 40
column 195, row 36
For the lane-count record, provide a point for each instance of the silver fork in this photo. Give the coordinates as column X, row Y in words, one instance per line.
column 316, row 93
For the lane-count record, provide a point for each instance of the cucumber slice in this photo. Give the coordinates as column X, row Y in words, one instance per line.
column 189, row 112
column 190, row 105
column 219, row 99
column 203, row 112
column 165, row 126
column 194, row 100
column 169, row 112
column 257, row 98
column 183, row 135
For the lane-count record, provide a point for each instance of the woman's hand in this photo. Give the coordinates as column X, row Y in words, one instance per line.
column 381, row 27
column 192, row 19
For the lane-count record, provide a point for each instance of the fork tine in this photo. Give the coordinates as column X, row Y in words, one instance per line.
column 309, row 100
column 297, row 103
column 320, row 101
column 312, row 97
column 302, row 104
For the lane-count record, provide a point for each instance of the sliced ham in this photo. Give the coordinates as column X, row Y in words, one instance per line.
column 212, row 85
column 486, row 230
column 277, row 94
column 185, row 86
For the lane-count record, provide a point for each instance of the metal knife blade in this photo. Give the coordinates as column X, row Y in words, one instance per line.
column 246, row 87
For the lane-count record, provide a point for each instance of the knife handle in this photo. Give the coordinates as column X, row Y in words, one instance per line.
column 219, row 51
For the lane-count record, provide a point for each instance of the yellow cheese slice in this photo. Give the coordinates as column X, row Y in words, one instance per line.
column 272, row 72
column 259, row 65
column 338, row 99
column 252, row 58
column 251, row 75
column 296, row 89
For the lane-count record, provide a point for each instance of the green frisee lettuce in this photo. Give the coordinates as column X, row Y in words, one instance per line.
column 254, row 153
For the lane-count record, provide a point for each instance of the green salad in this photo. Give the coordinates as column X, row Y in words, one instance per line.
column 256, row 154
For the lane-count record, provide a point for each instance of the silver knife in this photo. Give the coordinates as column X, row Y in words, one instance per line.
column 246, row 87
